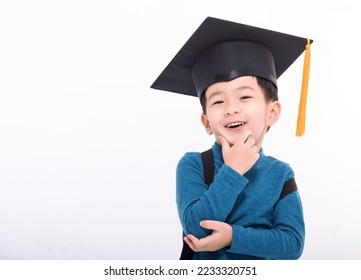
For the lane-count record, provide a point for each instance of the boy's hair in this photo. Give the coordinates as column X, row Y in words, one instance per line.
column 269, row 89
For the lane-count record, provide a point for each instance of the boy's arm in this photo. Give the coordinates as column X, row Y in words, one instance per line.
column 284, row 241
column 197, row 202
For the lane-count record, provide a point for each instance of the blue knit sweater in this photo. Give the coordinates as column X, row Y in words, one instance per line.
column 264, row 227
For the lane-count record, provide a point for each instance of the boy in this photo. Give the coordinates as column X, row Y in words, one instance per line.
column 251, row 209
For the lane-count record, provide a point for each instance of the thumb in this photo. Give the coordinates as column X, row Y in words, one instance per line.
column 224, row 143
column 210, row 224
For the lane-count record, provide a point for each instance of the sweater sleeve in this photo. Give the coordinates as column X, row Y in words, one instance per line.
column 196, row 201
column 284, row 240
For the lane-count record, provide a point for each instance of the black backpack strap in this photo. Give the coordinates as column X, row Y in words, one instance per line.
column 208, row 173
column 289, row 187
column 208, row 166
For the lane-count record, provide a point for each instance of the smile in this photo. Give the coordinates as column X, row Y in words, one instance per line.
column 235, row 124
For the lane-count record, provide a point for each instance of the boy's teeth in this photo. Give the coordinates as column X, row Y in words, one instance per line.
column 235, row 124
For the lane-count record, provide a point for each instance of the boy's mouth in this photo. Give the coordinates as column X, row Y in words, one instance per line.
column 235, row 124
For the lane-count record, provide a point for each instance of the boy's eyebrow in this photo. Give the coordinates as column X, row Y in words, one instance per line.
column 219, row 92
column 245, row 87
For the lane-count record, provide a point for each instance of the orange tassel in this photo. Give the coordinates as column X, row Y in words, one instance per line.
column 301, row 120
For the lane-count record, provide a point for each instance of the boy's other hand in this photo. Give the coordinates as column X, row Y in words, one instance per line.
column 243, row 154
column 221, row 237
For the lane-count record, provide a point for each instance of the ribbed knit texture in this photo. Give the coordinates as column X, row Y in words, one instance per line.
column 264, row 227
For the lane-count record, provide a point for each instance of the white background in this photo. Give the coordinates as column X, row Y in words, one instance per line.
column 88, row 151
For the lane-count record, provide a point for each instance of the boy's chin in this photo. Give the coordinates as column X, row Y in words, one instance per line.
column 229, row 140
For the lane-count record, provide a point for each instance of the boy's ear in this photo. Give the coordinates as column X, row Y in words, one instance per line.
column 205, row 123
column 274, row 111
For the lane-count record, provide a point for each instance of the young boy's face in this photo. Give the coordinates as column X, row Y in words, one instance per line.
column 236, row 106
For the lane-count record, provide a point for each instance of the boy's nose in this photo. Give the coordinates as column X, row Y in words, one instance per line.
column 232, row 109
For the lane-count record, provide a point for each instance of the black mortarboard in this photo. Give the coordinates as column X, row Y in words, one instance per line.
column 221, row 50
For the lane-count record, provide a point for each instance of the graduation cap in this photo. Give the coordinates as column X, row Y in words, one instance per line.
column 221, row 50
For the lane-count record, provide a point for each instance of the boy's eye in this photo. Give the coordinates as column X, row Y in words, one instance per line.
column 218, row 102
column 244, row 97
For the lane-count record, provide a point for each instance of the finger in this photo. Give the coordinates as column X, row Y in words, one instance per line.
column 254, row 149
column 192, row 238
column 248, row 136
column 189, row 242
column 210, row 224
column 194, row 242
column 245, row 136
column 250, row 141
